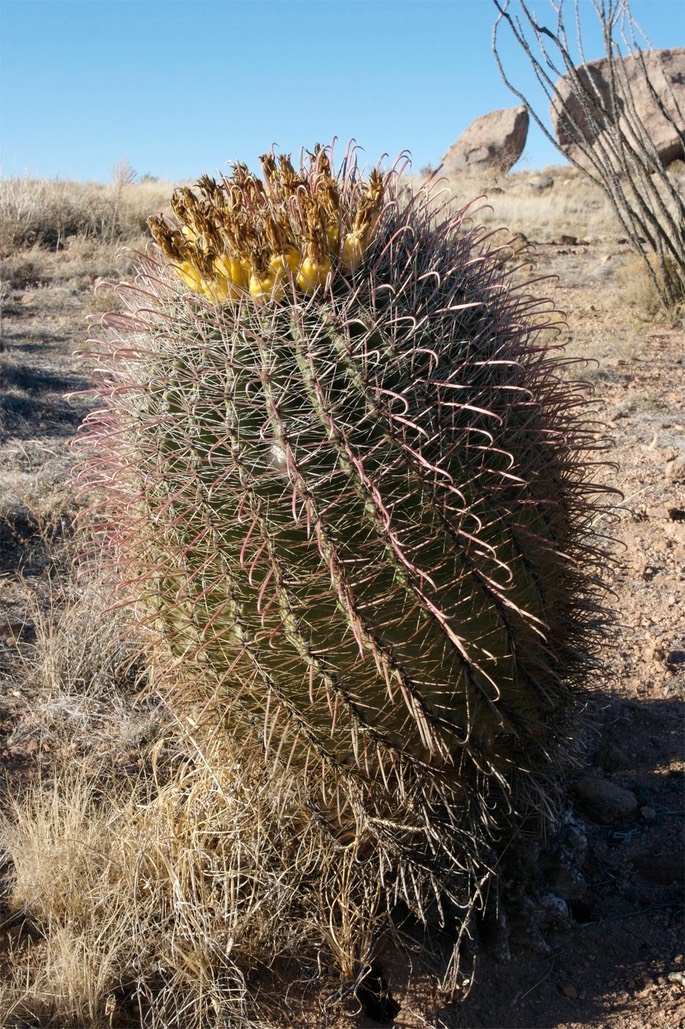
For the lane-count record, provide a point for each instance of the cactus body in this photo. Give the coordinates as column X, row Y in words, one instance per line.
column 351, row 484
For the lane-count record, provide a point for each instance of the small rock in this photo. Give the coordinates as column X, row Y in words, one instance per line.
column 648, row 813
column 604, row 801
column 552, row 911
column 675, row 471
column 571, row 241
column 569, row 991
column 539, row 182
column 677, row 977
column 660, row 513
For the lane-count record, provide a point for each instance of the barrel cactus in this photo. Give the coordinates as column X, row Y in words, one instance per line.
column 350, row 484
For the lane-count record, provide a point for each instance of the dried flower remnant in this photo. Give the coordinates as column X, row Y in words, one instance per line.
column 254, row 235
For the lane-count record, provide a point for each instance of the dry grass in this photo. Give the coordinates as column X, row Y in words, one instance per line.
column 59, row 238
column 540, row 206
column 53, row 214
column 166, row 878
column 544, row 206
column 47, row 212
column 121, row 892
column 165, row 898
column 641, row 293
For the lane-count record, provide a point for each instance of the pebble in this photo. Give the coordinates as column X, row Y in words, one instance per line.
column 648, row 813
column 540, row 182
column 604, row 801
column 660, row 513
column 675, row 471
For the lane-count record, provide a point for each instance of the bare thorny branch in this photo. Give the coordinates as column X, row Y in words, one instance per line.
column 609, row 140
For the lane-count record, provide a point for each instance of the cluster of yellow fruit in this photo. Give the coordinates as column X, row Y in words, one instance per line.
column 251, row 235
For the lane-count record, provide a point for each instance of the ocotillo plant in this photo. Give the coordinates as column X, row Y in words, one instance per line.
column 350, row 480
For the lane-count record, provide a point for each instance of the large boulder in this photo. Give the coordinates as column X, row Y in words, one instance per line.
column 493, row 141
column 663, row 74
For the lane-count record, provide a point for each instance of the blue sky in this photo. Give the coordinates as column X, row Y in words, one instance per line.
column 181, row 87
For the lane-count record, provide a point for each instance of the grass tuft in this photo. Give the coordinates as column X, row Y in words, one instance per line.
column 158, row 877
column 164, row 903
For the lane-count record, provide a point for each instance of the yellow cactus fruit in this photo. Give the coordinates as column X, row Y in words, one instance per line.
column 241, row 271
column 290, row 260
column 352, row 251
column 313, row 273
column 222, row 266
column 333, row 237
column 231, row 270
column 190, row 275
column 219, row 289
column 284, row 265
column 266, row 287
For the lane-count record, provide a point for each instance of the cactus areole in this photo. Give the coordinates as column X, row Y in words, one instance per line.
column 348, row 479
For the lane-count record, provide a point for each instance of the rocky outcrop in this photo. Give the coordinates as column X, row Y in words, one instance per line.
column 494, row 141
column 660, row 83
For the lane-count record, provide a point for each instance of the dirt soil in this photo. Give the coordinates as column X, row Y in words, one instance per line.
column 617, row 961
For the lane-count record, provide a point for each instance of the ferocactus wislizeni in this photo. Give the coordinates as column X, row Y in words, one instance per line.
column 351, row 482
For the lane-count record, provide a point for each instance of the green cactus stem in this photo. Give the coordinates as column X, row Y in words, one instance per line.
column 349, row 480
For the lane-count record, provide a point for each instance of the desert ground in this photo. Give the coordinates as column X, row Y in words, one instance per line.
column 75, row 716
